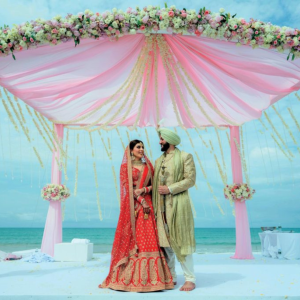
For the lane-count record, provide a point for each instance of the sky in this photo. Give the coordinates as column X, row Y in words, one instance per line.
column 276, row 180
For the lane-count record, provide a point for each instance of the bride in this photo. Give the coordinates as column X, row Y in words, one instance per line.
column 137, row 263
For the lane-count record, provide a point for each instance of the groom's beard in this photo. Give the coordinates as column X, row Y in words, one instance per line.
column 165, row 147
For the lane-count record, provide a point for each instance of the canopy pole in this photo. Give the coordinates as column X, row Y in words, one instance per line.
column 243, row 248
column 53, row 227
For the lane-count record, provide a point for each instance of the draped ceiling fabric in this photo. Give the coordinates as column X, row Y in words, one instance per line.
column 64, row 82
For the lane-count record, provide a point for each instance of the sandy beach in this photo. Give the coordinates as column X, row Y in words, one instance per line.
column 218, row 277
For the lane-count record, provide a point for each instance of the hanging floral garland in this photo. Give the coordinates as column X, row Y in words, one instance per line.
column 150, row 19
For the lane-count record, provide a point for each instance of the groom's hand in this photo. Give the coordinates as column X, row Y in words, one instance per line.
column 163, row 190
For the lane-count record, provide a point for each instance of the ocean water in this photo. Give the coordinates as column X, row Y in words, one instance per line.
column 209, row 240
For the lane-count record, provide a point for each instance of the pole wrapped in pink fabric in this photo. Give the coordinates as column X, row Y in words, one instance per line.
column 243, row 248
column 53, row 228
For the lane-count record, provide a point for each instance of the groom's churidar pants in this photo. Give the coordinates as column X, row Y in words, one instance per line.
column 187, row 266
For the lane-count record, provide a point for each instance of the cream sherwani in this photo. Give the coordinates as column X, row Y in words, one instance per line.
column 165, row 209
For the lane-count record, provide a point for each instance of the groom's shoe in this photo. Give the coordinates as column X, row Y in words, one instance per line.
column 188, row 286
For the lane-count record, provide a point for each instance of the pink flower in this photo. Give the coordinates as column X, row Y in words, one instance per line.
column 233, row 33
column 110, row 28
column 97, row 14
column 54, row 30
column 275, row 42
column 197, row 32
column 171, row 13
column 0, row 47
column 143, row 27
column 129, row 9
column 4, row 31
column 235, row 26
column 31, row 40
column 54, row 41
column 53, row 195
column 160, row 17
column 24, row 39
column 207, row 12
column 219, row 18
column 256, row 32
column 45, row 194
column 155, row 28
column 243, row 22
column 183, row 13
column 199, row 16
column 117, row 32
column 80, row 29
column 145, row 19
column 9, row 45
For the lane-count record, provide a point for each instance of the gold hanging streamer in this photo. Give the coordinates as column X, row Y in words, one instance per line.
column 9, row 113
column 99, row 206
column 120, row 139
column 294, row 118
column 65, row 165
column 51, row 138
column 263, row 124
column 285, row 125
column 278, row 135
column 228, row 139
column 242, row 160
column 114, row 172
column 148, row 141
column 202, row 140
column 281, row 149
column 96, row 178
column 298, row 97
column 109, row 155
column 222, row 154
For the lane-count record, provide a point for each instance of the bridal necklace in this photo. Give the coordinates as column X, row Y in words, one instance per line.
column 137, row 162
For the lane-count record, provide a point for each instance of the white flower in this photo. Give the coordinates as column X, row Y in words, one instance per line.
column 296, row 41
column 114, row 10
column 221, row 10
column 152, row 13
column 149, row 7
column 132, row 31
column 115, row 24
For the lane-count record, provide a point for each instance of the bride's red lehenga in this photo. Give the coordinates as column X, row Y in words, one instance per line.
column 137, row 262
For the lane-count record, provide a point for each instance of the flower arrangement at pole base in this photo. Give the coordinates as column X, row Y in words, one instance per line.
column 238, row 192
column 55, row 192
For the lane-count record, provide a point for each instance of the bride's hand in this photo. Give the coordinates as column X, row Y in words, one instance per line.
column 139, row 192
column 146, row 208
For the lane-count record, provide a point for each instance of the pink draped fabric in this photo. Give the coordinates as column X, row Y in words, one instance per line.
column 53, row 228
column 63, row 82
column 243, row 248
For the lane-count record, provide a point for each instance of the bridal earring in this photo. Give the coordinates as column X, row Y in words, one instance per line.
column 132, row 156
column 143, row 159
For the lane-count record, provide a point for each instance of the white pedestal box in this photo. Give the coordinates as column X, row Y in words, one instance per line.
column 73, row 252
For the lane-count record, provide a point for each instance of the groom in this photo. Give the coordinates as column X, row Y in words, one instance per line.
column 175, row 173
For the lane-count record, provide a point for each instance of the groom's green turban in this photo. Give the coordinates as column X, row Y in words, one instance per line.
column 169, row 136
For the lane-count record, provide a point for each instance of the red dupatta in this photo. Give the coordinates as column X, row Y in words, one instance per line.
column 124, row 244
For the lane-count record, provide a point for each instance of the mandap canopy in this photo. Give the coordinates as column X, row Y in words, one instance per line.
column 134, row 68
